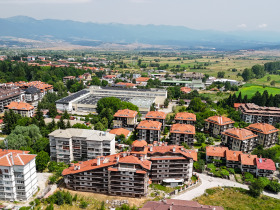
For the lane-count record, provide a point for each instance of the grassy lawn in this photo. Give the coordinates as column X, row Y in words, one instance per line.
column 237, row 198
column 263, row 81
column 250, row 90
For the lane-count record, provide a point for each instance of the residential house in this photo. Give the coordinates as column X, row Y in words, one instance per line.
column 267, row 134
column 22, row 108
column 156, row 116
column 233, row 159
column 9, row 93
column 239, row 139
column 248, row 163
column 182, row 133
column 265, row 167
column 185, row 118
column 215, row 125
column 185, row 90
column 125, row 118
column 120, row 131
column 215, row 153
column 142, row 81
column 149, row 130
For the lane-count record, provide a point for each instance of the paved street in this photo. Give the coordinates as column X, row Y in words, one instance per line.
column 210, row 182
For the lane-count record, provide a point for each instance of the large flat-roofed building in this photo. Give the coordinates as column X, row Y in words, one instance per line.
column 18, row 175
column 86, row 100
column 149, row 130
column 80, row 144
column 9, row 93
column 252, row 113
column 239, row 139
column 182, row 133
column 215, row 125
column 125, row 118
column 267, row 134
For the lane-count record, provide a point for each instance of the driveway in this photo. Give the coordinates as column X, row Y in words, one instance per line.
column 210, row 182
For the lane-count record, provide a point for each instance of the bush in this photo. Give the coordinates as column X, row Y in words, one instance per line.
column 248, row 177
column 210, row 191
column 273, row 186
column 83, row 204
column 224, row 172
column 231, row 170
column 211, row 166
column 255, row 189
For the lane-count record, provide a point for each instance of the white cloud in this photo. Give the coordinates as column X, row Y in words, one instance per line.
column 44, row 1
column 262, row 25
column 243, row 25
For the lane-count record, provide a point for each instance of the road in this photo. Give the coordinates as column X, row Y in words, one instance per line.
column 210, row 182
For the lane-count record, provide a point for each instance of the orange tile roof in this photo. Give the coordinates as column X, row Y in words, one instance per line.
column 233, row 155
column 219, row 120
column 182, row 128
column 120, row 131
column 15, row 157
column 149, row 125
column 239, row 133
column 126, row 113
column 236, row 105
column 134, row 160
column 265, row 164
column 139, row 143
column 110, row 76
column 186, row 89
column 248, row 159
column 262, row 128
column 127, row 84
column 142, row 79
column 216, row 151
column 155, row 115
column 19, row 106
column 185, row 116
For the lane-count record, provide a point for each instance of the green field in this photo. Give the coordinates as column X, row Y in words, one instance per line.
column 237, row 198
column 251, row 89
column 263, row 81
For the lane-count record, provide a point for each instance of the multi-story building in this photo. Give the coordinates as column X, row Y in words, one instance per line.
column 9, row 93
column 149, row 130
column 185, row 118
column 215, row 153
column 18, row 175
column 233, row 159
column 267, row 134
column 32, row 95
column 182, row 133
column 142, row 81
column 248, row 163
column 80, row 144
column 239, row 139
column 22, row 108
column 215, row 125
column 265, row 167
column 130, row 173
column 156, row 116
column 125, row 118
column 252, row 113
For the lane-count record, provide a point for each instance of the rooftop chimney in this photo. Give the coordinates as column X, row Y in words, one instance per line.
column 98, row 161
column 165, row 143
column 118, row 158
column 151, row 148
column 12, row 159
column 174, row 149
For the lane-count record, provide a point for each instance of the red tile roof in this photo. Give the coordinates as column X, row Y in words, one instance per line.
column 110, row 76
column 120, row 131
column 126, row 84
column 134, row 160
column 155, row 115
column 185, row 116
column 239, row 133
column 248, row 159
column 183, row 129
column 219, row 120
column 142, row 79
column 236, row 105
column 216, row 151
column 139, row 143
column 20, row 106
column 15, row 157
column 233, row 155
column 262, row 128
column 185, row 89
column 126, row 113
column 265, row 164
column 149, row 125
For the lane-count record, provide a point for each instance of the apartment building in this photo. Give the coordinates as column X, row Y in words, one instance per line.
column 237, row 159
column 18, row 175
column 80, row 144
column 185, row 118
column 32, row 95
column 239, row 139
column 267, row 134
column 22, row 108
column 252, row 113
column 156, row 116
column 120, row 174
column 182, row 133
column 125, row 118
column 149, row 130
column 215, row 125
column 9, row 93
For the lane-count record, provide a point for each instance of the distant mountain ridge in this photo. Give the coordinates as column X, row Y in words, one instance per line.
column 92, row 34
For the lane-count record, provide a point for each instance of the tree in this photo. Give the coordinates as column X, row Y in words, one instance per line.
column 166, row 102
column 52, row 111
column 152, row 107
column 221, row 74
column 99, row 126
column 10, row 121
column 95, row 81
column 197, row 105
column 258, row 70
column 272, row 83
column 181, row 102
column 200, row 138
column 210, row 140
column 61, row 123
column 268, row 78
column 199, row 165
column 255, row 189
column 42, row 160
column 104, row 83
column 273, row 186
column 65, row 115
column 247, row 74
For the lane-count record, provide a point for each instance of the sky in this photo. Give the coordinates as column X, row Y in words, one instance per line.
column 223, row 15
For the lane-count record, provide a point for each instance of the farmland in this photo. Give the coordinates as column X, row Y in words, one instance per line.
column 251, row 89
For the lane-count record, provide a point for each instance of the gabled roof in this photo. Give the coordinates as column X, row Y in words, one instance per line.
column 155, row 115
column 15, row 157
column 216, row 151
column 149, row 125
column 239, row 133
column 19, row 106
column 120, row 131
column 219, row 120
column 139, row 143
column 185, row 116
column 134, row 160
column 262, row 128
column 32, row 90
column 248, row 159
column 185, row 89
column 265, row 164
column 142, row 79
column 182, row 128
column 233, row 155
column 126, row 113
column 127, row 84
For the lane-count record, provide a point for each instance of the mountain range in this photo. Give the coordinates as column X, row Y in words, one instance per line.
column 95, row 34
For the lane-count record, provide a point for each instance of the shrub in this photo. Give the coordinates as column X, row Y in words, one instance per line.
column 211, row 166
column 273, row 186
column 75, row 198
column 224, row 172
column 210, row 191
column 83, row 204
column 248, row 177
column 255, row 189
column 231, row 170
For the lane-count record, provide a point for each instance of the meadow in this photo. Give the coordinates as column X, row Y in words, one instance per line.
column 250, row 90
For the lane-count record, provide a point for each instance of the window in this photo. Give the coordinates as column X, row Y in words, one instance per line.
column 6, row 170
